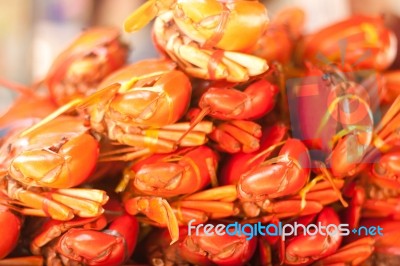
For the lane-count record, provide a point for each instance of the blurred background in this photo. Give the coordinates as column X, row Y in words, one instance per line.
column 33, row 33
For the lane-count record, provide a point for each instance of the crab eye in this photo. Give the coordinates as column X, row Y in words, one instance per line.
column 325, row 76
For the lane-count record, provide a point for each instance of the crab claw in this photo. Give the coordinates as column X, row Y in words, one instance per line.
column 156, row 209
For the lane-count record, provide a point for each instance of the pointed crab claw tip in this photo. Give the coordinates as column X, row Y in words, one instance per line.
column 302, row 205
column 128, row 26
column 173, row 241
column 133, row 24
column 141, row 17
column 105, row 199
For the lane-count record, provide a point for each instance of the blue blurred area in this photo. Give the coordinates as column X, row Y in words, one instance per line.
column 33, row 33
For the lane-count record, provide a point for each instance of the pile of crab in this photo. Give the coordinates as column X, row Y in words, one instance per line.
column 241, row 120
